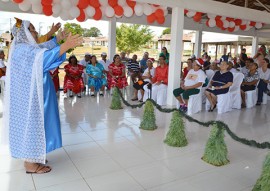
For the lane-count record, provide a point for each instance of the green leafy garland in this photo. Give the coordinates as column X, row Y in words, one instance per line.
column 149, row 119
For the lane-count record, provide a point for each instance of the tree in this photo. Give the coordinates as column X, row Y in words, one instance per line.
column 92, row 32
column 131, row 38
column 74, row 28
column 166, row 31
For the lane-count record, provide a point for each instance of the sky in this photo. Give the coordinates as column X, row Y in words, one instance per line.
column 43, row 22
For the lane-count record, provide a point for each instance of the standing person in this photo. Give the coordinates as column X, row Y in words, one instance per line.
column 165, row 53
column 31, row 108
column 224, row 57
column 207, row 63
column 97, row 79
column 264, row 74
column 134, row 68
column 73, row 80
column 143, row 62
column 49, row 35
column 123, row 58
column 117, row 73
column 243, row 57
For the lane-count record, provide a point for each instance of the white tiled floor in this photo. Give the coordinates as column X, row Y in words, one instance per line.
column 104, row 150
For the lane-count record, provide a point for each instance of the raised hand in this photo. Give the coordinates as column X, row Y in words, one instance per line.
column 56, row 27
column 61, row 35
column 72, row 41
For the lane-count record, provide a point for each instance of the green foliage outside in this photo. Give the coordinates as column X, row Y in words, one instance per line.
column 131, row 38
column 166, row 31
column 92, row 32
column 176, row 136
column 216, row 152
column 74, row 28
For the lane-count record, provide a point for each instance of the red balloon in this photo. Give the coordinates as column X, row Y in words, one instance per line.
column 82, row 4
column 231, row 29
column 161, row 20
column 218, row 17
column 243, row 27
column 222, row 28
column 229, row 19
column 118, row 10
column 151, row 18
column 197, row 17
column 18, row 1
column 94, row 3
column 238, row 22
column 46, row 2
column 113, row 3
column 155, row 5
column 159, row 13
column 219, row 23
column 81, row 17
column 131, row 3
column 185, row 11
column 98, row 14
column 252, row 23
column 47, row 10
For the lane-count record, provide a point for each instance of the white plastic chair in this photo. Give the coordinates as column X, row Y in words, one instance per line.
column 251, row 98
column 223, row 103
column 235, row 91
column 195, row 103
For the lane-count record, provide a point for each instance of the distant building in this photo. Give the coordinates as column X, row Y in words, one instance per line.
column 95, row 41
column 5, row 39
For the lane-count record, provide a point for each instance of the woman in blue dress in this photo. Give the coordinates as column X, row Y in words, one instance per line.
column 31, row 109
column 97, row 80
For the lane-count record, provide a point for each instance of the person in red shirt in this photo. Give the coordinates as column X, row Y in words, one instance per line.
column 160, row 82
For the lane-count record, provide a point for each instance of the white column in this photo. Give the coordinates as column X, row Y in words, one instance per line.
column 255, row 43
column 112, row 38
column 198, row 44
column 177, row 28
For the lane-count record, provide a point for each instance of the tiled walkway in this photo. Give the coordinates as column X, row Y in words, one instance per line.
column 104, row 150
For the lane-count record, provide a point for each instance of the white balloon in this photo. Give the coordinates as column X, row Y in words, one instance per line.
column 64, row 15
column 5, row 0
column 74, row 12
column 248, row 28
column 128, row 12
column 122, row 3
column 244, row 22
column 103, row 2
column 56, row 9
column 138, row 9
column 37, row 8
column 147, row 9
column 56, row 1
column 90, row 11
column 236, row 28
column 258, row 25
column 35, row 2
column 109, row 11
column 226, row 24
column 166, row 12
column 66, row 4
column 74, row 2
column 212, row 23
column 25, row 5
column 231, row 24
column 211, row 16
column 223, row 18
column 191, row 13
column 103, row 9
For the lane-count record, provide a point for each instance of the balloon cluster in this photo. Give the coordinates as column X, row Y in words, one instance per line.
column 224, row 23
column 96, row 9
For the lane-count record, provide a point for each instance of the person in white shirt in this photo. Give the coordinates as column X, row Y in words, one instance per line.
column 105, row 62
column 84, row 62
column 264, row 74
column 192, row 85
column 231, row 67
column 245, row 69
column 141, row 84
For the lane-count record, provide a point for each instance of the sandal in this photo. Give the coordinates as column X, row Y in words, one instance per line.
column 40, row 169
column 141, row 100
column 134, row 99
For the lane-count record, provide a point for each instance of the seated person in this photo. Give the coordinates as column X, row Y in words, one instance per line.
column 84, row 62
column 55, row 78
column 97, row 80
column 219, row 84
column 245, row 69
column 189, row 67
column 2, row 65
column 134, row 68
column 193, row 82
column 264, row 74
column 249, row 83
column 117, row 74
column 231, row 67
column 143, row 62
column 146, row 78
column 73, row 80
column 165, row 53
column 159, row 82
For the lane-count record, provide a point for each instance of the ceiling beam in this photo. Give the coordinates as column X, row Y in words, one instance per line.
column 263, row 5
column 246, row 3
column 231, row 1
column 217, row 8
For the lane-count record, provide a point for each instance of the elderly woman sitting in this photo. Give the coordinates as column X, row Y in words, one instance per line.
column 146, row 78
column 96, row 80
column 250, row 81
column 219, row 84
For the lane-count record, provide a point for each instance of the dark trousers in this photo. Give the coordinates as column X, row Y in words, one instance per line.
column 262, row 87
